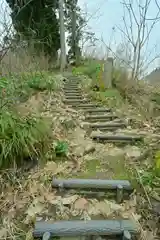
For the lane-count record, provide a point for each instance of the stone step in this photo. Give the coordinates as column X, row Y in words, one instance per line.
column 115, row 138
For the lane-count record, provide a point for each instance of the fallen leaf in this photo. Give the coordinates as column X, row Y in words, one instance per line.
column 51, row 167
column 81, row 203
column 69, row 200
column 106, row 208
column 35, row 208
column 50, row 197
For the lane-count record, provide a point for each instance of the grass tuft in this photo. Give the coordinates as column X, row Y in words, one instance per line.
column 21, row 138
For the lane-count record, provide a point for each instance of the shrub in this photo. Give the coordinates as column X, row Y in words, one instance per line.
column 21, row 138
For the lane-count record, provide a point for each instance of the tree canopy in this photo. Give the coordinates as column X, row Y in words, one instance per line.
column 37, row 20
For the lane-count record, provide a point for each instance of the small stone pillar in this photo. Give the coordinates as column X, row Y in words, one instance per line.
column 108, row 73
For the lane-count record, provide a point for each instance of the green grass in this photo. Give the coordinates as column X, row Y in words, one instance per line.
column 90, row 68
column 110, row 97
column 90, row 169
column 23, row 137
column 17, row 88
column 61, row 148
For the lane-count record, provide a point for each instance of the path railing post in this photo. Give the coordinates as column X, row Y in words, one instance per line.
column 108, row 73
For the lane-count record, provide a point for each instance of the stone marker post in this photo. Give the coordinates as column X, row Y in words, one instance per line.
column 108, row 73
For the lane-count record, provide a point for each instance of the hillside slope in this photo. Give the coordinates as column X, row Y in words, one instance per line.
column 154, row 76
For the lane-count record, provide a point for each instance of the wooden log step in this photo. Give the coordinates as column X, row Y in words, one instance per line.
column 116, row 138
column 73, row 79
column 88, row 105
column 73, row 92
column 115, row 228
column 100, row 117
column 107, row 125
column 94, row 184
column 116, row 120
column 73, row 101
column 108, row 129
column 71, row 88
column 70, row 85
column 103, row 120
column 96, row 110
column 73, row 97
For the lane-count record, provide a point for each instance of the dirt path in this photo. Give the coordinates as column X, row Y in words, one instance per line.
column 102, row 152
column 100, row 187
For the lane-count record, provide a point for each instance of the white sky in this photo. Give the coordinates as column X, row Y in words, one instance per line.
column 110, row 14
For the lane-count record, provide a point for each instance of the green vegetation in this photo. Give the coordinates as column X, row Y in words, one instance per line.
column 17, row 88
column 90, row 168
column 151, row 176
column 37, row 23
column 92, row 69
column 61, row 148
column 23, row 137
column 89, row 68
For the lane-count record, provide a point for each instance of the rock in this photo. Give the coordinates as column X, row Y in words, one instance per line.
column 148, row 235
column 69, row 124
column 85, row 125
column 89, row 149
column 132, row 151
column 78, row 151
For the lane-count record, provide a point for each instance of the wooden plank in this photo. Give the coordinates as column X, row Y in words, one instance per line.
column 85, row 228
